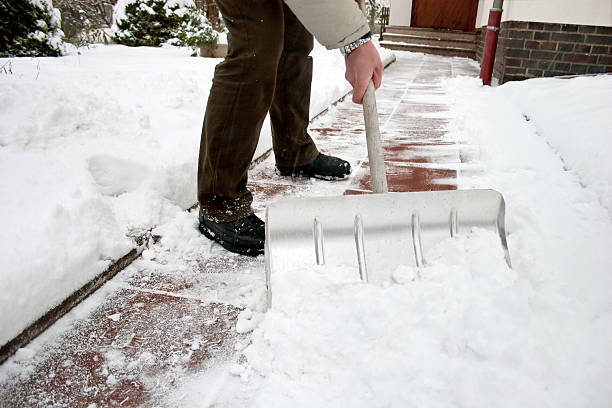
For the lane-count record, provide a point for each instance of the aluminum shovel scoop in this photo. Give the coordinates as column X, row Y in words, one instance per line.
column 374, row 233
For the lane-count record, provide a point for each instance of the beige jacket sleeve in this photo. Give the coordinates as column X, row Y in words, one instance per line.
column 334, row 23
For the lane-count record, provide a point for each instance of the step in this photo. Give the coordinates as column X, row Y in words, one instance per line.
column 429, row 49
column 441, row 34
column 414, row 39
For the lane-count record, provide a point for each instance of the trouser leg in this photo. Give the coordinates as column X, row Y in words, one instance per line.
column 289, row 113
column 240, row 97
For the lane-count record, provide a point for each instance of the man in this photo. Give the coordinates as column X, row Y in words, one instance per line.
column 268, row 69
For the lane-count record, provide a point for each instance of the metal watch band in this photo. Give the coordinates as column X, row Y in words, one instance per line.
column 347, row 49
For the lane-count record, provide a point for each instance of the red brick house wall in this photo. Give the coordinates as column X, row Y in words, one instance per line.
column 532, row 50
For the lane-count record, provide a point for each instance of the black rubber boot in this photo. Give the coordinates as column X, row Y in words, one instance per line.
column 323, row 167
column 244, row 236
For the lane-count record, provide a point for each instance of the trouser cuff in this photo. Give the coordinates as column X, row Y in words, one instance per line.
column 223, row 209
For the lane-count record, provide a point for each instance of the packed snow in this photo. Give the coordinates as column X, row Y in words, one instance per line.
column 96, row 148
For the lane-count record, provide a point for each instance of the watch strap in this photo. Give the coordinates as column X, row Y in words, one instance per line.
column 348, row 48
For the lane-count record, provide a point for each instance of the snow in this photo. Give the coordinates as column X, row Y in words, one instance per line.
column 564, row 113
column 404, row 343
column 171, row 8
column 54, row 34
column 119, row 14
column 558, row 217
column 86, row 135
column 178, row 7
column 466, row 330
column 403, row 43
column 101, row 146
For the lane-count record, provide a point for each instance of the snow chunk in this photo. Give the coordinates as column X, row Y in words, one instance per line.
column 115, row 317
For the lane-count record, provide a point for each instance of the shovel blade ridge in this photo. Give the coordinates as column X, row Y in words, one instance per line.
column 397, row 229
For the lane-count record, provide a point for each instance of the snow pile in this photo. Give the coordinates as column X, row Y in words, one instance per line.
column 97, row 146
column 574, row 118
column 427, row 333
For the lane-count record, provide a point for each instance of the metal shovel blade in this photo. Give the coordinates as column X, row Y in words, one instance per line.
column 375, row 233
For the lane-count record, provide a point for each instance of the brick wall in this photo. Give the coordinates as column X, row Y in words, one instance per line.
column 531, row 50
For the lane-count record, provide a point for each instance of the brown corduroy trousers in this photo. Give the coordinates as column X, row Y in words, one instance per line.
column 267, row 69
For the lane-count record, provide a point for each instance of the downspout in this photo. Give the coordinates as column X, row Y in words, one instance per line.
column 490, row 46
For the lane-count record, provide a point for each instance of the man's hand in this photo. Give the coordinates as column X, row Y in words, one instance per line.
column 362, row 65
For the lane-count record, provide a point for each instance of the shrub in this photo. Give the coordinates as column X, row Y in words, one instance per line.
column 30, row 28
column 155, row 22
column 374, row 11
column 83, row 21
column 196, row 31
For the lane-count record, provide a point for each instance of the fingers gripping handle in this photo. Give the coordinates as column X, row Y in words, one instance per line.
column 375, row 152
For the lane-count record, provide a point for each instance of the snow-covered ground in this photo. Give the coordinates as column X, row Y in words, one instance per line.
column 95, row 148
column 466, row 330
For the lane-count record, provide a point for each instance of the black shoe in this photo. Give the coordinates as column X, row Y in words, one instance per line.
column 244, row 236
column 323, row 167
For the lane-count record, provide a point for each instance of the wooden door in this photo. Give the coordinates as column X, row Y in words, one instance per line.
column 448, row 14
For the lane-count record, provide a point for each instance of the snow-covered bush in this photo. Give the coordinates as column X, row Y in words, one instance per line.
column 374, row 11
column 196, row 31
column 155, row 22
column 85, row 21
column 30, row 28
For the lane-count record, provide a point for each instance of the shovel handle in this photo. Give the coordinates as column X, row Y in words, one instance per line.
column 370, row 116
column 375, row 152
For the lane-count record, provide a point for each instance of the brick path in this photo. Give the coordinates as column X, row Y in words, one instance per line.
column 173, row 313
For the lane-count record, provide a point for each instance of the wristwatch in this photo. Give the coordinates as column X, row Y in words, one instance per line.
column 348, row 48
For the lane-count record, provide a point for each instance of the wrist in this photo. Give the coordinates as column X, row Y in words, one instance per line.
column 348, row 48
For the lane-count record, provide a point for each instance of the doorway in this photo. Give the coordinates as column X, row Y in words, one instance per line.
column 445, row 14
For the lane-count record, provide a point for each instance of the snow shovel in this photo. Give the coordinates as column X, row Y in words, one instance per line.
column 374, row 233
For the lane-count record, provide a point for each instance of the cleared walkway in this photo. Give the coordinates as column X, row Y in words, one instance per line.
column 173, row 314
